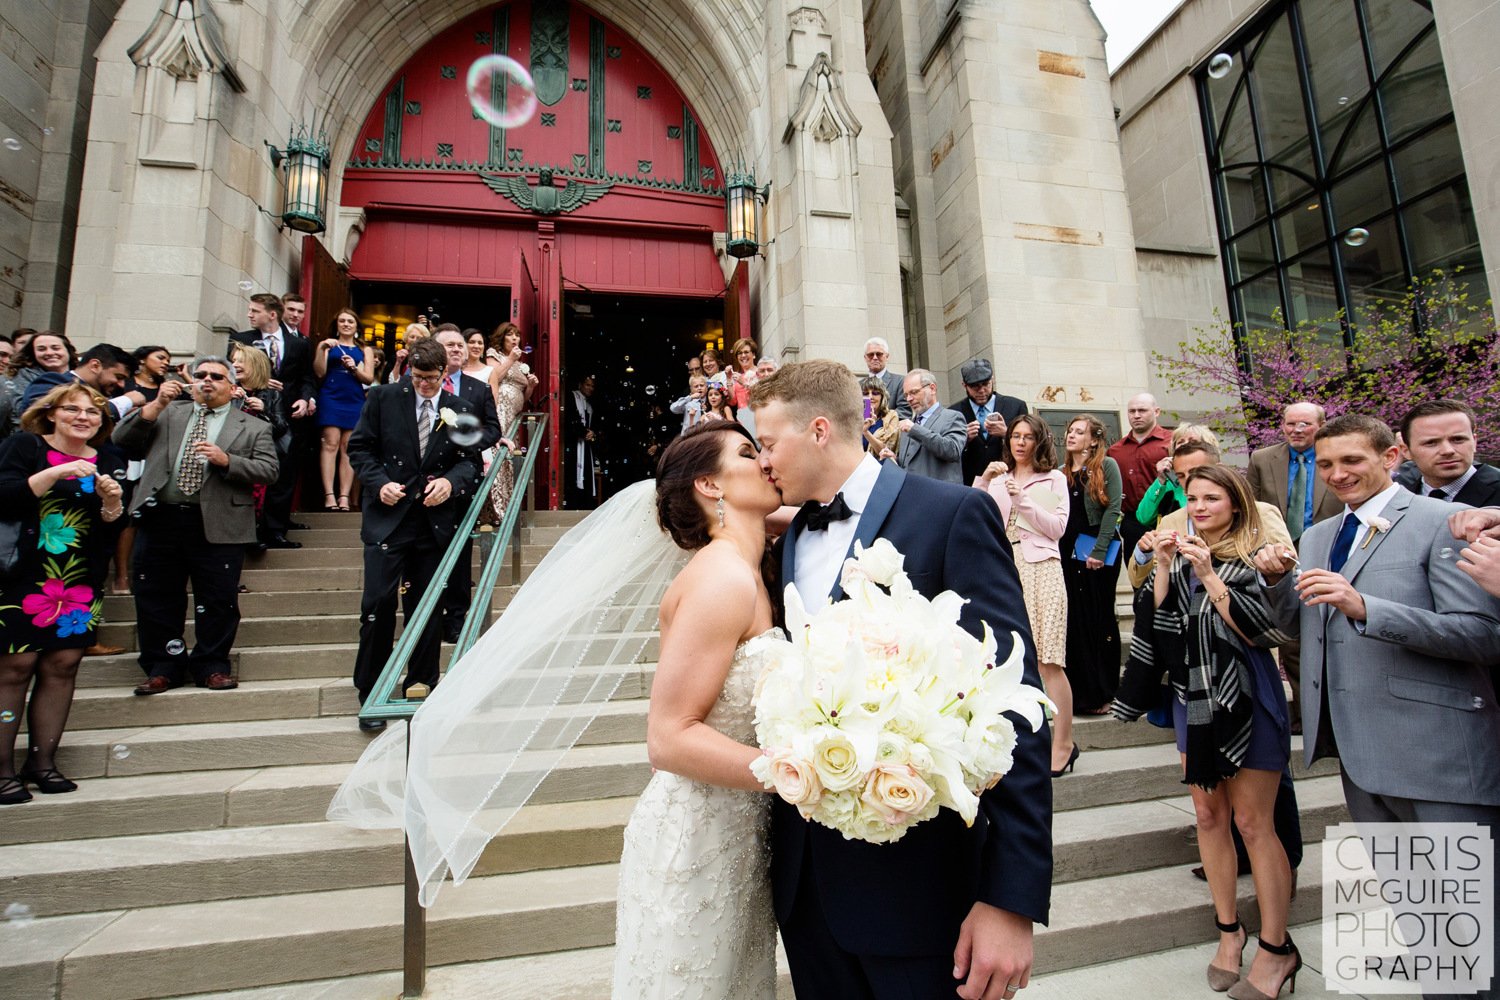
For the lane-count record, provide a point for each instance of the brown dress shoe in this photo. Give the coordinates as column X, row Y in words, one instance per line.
column 98, row 649
column 155, row 685
column 221, row 682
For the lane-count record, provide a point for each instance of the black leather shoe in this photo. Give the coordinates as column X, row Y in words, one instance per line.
column 282, row 542
column 371, row 725
column 296, row 526
column 451, row 628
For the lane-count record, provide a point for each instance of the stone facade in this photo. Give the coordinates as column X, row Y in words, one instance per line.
column 945, row 175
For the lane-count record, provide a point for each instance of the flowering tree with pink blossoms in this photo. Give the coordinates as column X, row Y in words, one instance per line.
column 1395, row 362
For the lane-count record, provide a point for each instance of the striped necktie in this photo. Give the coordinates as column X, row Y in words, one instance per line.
column 424, row 427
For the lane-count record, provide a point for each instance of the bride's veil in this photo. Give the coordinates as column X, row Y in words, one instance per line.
column 506, row 713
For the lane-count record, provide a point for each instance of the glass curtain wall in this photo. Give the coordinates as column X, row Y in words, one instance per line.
column 1338, row 177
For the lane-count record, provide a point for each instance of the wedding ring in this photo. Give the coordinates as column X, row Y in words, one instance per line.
column 1011, row 987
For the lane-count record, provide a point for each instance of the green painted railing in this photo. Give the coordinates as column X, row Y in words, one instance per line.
column 385, row 703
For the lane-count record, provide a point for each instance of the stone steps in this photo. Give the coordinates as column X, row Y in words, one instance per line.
column 262, row 941
column 126, row 872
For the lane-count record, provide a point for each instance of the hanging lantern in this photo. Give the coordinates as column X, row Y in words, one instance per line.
column 743, row 219
column 305, row 162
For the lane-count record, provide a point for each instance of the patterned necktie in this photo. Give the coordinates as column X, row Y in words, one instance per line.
column 919, row 419
column 273, row 345
column 1296, row 508
column 190, row 471
column 1343, row 543
column 424, row 426
column 982, row 414
column 450, row 384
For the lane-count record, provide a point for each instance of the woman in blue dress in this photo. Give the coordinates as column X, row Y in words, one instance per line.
column 344, row 368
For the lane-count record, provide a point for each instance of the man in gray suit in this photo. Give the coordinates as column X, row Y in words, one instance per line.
column 1396, row 642
column 195, row 514
column 933, row 438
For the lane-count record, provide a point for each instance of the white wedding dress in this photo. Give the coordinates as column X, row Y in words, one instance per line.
column 693, row 919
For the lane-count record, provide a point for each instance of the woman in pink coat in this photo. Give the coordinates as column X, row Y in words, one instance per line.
column 1033, row 498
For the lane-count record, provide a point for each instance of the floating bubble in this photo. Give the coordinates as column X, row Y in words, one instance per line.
column 501, row 92
column 48, row 131
column 150, row 502
column 19, row 914
column 199, row 609
column 1445, row 553
column 402, row 593
column 7, row 716
column 176, row 647
column 1221, row 65
column 117, row 474
column 370, row 619
column 247, row 286
column 650, row 390
column 526, row 349
column 466, row 430
column 119, row 751
column 12, row 143
column 1343, row 101
column 1356, row 237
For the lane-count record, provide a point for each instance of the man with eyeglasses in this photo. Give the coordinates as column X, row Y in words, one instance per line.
column 1286, row 476
column 877, row 354
column 417, row 484
column 195, row 513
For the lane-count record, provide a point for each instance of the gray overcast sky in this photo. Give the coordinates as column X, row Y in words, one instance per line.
column 1129, row 22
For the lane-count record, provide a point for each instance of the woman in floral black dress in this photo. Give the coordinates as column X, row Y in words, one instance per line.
column 49, row 607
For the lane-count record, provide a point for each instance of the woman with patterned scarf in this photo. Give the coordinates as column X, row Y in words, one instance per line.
column 1206, row 627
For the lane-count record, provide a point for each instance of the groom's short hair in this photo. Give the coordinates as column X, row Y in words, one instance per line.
column 811, row 389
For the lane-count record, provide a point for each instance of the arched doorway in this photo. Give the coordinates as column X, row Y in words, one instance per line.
column 612, row 273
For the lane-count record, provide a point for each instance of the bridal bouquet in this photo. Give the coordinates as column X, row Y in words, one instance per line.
column 884, row 710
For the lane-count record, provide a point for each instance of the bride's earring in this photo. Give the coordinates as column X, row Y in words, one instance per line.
column 719, row 510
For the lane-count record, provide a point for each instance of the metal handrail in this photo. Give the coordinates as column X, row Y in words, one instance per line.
column 381, row 703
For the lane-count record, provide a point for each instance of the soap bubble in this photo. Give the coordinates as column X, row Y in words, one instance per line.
column 526, row 349
column 1445, row 553
column 1356, row 237
column 7, row 716
column 176, row 647
column 650, row 390
column 466, row 430
column 247, row 286
column 119, row 751
column 506, row 106
column 12, row 143
column 1221, row 65
column 199, row 609
column 48, row 131
column 1343, row 101
column 19, row 914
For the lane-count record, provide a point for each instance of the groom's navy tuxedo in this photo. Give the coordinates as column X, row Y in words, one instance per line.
column 907, row 899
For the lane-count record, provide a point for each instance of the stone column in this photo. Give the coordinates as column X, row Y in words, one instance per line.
column 1466, row 33
column 1034, row 232
column 836, row 279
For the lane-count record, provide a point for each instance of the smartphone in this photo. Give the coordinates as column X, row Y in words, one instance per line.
column 869, row 408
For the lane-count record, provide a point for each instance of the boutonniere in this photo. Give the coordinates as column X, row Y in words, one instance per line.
column 1377, row 525
column 447, row 417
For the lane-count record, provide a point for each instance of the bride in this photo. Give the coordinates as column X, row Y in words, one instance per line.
column 693, row 915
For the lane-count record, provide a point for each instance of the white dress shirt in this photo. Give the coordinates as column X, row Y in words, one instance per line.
column 1452, row 489
column 1369, row 511
column 821, row 554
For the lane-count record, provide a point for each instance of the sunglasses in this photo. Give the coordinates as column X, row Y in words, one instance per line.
column 210, row 377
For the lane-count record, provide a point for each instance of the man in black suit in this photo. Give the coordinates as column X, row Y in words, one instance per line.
column 946, row 902
column 1438, row 438
column 482, row 398
column 291, row 365
column 988, row 415
column 417, row 482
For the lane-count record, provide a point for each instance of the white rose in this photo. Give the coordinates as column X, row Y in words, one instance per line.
column 896, row 793
column 836, row 762
column 448, row 416
column 881, row 562
column 793, row 778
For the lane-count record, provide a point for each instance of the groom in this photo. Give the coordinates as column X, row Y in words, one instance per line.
column 946, row 906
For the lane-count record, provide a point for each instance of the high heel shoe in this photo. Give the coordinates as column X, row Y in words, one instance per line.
column 1072, row 759
column 1219, row 979
column 344, row 502
column 330, row 503
column 1242, row 990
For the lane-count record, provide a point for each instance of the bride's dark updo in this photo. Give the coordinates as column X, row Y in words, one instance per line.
column 688, row 458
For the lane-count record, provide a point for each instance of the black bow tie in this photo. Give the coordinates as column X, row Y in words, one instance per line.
column 820, row 517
